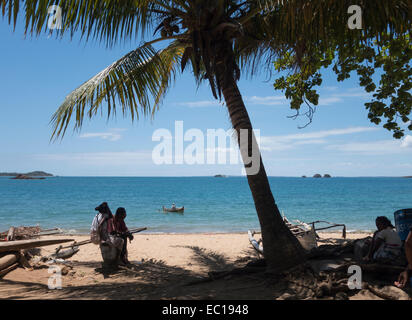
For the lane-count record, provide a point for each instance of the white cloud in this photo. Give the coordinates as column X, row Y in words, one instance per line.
column 199, row 104
column 325, row 101
column 267, row 101
column 100, row 158
column 326, row 133
column 113, row 135
column 271, row 143
column 332, row 96
column 311, row 141
column 381, row 147
column 407, row 142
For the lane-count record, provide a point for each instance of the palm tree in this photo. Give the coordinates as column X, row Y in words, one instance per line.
column 218, row 39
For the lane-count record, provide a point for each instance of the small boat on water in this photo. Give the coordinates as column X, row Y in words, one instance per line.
column 180, row 210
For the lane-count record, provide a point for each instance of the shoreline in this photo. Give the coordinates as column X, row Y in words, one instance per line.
column 322, row 232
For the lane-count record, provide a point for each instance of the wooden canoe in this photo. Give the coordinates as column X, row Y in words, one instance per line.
column 181, row 209
column 258, row 247
column 29, row 244
column 307, row 239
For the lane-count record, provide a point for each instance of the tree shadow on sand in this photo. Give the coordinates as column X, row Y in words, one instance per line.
column 212, row 260
column 152, row 279
column 149, row 280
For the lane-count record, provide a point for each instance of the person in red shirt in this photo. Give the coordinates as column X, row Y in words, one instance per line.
column 122, row 230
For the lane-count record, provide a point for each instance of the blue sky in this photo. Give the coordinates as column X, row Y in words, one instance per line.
column 37, row 73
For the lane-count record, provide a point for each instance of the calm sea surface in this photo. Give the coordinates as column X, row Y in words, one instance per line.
column 211, row 204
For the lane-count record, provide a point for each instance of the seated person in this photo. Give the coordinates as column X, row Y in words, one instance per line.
column 173, row 206
column 386, row 243
column 123, row 232
column 405, row 275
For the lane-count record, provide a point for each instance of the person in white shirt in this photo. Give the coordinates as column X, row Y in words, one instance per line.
column 101, row 224
column 173, row 206
column 386, row 244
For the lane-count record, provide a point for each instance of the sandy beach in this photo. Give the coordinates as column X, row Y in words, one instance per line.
column 165, row 267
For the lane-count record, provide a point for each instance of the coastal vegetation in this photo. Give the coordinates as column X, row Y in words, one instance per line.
column 222, row 40
column 29, row 174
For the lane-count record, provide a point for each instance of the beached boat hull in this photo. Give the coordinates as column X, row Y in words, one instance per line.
column 179, row 210
column 306, row 239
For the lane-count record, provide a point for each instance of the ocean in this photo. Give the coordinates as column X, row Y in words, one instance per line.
column 211, row 204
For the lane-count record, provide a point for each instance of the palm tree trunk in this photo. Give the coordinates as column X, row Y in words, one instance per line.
column 281, row 248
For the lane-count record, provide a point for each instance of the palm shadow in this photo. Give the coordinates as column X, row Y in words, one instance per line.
column 151, row 279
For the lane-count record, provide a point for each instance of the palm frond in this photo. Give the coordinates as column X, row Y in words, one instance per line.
column 104, row 20
column 133, row 82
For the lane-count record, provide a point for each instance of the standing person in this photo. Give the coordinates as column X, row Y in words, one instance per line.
column 102, row 224
column 386, row 243
column 103, row 233
column 122, row 230
column 405, row 275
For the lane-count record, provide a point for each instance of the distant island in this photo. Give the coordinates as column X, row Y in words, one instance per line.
column 24, row 177
column 220, row 176
column 28, row 175
column 324, row 176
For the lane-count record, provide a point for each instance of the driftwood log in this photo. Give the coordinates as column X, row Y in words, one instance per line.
column 64, row 254
column 387, row 292
column 8, row 269
column 27, row 244
column 9, row 259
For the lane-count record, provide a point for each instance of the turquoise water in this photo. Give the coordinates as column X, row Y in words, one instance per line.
column 211, row 204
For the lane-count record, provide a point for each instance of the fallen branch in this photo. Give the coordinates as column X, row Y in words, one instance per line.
column 8, row 259
column 8, row 269
column 387, row 292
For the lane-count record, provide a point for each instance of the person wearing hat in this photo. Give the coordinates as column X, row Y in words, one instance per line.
column 386, row 243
